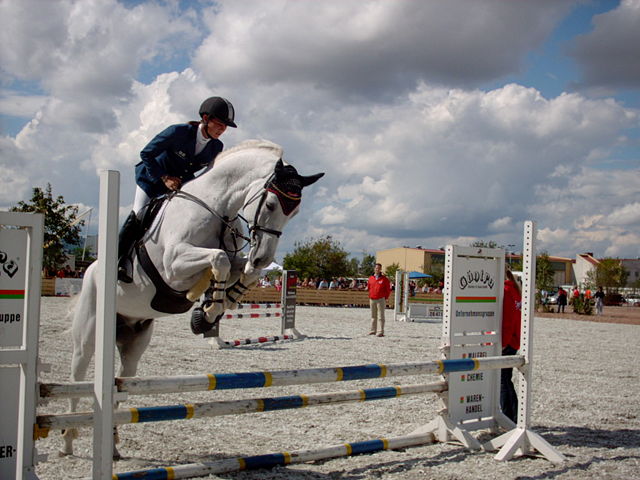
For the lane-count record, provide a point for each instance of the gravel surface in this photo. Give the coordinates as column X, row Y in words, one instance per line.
column 585, row 401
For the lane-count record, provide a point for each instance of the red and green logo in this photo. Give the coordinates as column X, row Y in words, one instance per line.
column 12, row 294
column 476, row 299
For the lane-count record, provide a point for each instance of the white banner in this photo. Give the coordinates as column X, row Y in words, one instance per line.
column 474, row 318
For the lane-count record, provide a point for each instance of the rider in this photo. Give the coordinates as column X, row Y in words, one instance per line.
column 169, row 160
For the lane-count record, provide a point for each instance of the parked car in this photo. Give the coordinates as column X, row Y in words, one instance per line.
column 633, row 300
column 613, row 299
column 552, row 298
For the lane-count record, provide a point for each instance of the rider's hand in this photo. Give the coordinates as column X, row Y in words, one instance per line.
column 172, row 183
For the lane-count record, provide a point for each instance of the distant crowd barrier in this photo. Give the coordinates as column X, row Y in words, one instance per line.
column 310, row 296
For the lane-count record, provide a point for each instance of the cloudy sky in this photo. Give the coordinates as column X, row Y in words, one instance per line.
column 436, row 122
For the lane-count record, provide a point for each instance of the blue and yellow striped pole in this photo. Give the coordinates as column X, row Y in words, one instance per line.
column 276, row 459
column 226, row 381
column 233, row 407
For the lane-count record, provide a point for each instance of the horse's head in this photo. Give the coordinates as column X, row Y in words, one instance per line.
column 270, row 208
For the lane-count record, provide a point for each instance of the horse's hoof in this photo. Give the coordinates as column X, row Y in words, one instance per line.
column 199, row 323
column 62, row 453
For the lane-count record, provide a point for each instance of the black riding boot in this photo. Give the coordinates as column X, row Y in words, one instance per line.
column 128, row 236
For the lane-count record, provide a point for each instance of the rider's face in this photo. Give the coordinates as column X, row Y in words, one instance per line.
column 215, row 127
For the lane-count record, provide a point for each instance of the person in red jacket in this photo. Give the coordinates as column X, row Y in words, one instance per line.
column 511, row 321
column 379, row 290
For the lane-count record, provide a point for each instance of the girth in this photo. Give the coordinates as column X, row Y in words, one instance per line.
column 166, row 299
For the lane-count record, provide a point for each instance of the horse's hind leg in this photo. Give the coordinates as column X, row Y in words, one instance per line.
column 83, row 335
column 132, row 341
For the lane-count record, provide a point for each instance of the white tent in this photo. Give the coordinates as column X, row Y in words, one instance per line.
column 271, row 266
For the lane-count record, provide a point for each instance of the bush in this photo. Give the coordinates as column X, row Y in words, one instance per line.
column 582, row 306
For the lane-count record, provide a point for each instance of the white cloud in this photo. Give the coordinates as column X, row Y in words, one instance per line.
column 380, row 95
column 372, row 48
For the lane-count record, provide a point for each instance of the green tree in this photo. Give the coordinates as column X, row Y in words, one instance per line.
column 79, row 251
column 61, row 225
column 544, row 277
column 391, row 270
column 354, row 268
column 544, row 272
column 321, row 258
column 609, row 273
column 367, row 264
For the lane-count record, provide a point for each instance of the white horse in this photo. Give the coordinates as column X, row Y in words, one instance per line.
column 195, row 241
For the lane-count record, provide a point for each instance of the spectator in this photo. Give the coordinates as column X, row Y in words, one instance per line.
column 511, row 320
column 323, row 285
column 575, row 294
column 562, row 299
column 278, row 284
column 599, row 296
column 354, row 284
column 333, row 285
column 379, row 290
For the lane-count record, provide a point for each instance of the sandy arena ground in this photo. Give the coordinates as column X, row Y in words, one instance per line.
column 586, row 404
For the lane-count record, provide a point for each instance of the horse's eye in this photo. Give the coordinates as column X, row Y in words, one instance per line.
column 270, row 206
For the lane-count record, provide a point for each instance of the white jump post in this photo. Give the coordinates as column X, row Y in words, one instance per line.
column 21, row 237
column 104, row 385
column 522, row 440
column 420, row 310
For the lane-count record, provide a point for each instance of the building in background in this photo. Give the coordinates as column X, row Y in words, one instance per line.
column 432, row 261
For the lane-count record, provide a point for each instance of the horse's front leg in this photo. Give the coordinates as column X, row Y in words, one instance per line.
column 185, row 261
column 246, row 277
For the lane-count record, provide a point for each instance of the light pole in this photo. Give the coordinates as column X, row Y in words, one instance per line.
column 509, row 247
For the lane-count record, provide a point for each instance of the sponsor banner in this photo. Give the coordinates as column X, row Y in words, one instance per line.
column 418, row 311
column 10, row 381
column 289, row 285
column 474, row 317
column 13, row 256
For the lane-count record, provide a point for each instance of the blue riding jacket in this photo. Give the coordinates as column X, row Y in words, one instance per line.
column 172, row 152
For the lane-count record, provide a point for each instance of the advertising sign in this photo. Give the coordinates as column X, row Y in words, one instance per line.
column 12, row 293
column 473, row 317
column 12, row 286
column 289, row 285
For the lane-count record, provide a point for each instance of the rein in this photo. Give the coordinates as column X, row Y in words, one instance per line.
column 227, row 223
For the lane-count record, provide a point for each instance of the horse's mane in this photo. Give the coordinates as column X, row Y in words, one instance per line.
column 247, row 144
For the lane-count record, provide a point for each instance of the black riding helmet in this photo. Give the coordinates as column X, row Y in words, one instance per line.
column 220, row 109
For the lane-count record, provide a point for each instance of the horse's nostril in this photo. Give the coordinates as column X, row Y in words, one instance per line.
column 257, row 261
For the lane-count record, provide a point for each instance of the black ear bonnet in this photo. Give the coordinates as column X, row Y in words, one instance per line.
column 287, row 186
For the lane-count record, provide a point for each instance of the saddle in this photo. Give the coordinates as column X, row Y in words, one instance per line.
column 166, row 299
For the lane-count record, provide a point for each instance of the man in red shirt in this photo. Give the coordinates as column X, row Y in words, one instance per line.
column 379, row 290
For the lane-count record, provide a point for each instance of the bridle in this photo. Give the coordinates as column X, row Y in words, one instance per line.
column 227, row 222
